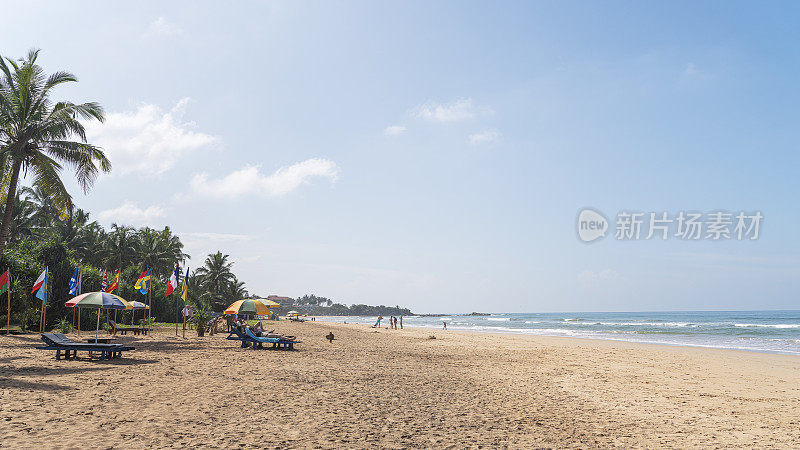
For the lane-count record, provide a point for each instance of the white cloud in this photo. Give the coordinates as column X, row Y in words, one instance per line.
column 394, row 130
column 147, row 140
column 161, row 27
column 250, row 180
column 461, row 109
column 130, row 214
column 484, row 137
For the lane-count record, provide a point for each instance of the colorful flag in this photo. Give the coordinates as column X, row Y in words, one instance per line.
column 5, row 282
column 113, row 285
column 143, row 283
column 39, row 281
column 75, row 283
column 173, row 280
column 184, row 287
column 104, row 283
column 42, row 287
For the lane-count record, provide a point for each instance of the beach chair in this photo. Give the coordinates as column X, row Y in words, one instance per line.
column 61, row 343
column 247, row 338
column 124, row 329
column 278, row 343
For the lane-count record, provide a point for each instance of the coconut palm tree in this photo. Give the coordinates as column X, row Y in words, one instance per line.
column 120, row 246
column 36, row 136
column 216, row 276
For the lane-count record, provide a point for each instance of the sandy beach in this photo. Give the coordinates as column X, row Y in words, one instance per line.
column 397, row 389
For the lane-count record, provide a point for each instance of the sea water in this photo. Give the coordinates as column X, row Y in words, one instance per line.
column 761, row 331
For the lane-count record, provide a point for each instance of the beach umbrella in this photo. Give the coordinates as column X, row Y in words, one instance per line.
column 134, row 306
column 248, row 306
column 267, row 302
column 98, row 301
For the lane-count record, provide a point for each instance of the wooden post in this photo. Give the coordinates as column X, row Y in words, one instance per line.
column 79, row 321
column 8, row 318
column 177, row 314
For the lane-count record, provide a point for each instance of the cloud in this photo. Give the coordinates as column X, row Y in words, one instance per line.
column 394, row 130
column 148, row 140
column 130, row 213
column 484, row 137
column 161, row 28
column 250, row 180
column 458, row 110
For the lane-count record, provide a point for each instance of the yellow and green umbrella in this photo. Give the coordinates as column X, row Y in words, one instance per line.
column 248, row 307
column 267, row 302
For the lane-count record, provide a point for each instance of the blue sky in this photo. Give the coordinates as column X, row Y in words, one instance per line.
column 436, row 156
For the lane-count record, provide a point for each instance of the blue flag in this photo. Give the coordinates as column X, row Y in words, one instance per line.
column 42, row 293
column 75, row 283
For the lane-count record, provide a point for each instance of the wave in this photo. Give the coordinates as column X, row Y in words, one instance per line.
column 499, row 319
column 767, row 325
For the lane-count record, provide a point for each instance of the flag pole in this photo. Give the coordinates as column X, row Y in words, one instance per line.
column 177, row 304
column 8, row 317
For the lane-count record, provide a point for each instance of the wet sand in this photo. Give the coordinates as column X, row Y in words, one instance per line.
column 397, row 389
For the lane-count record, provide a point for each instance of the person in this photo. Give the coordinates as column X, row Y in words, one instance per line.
column 445, row 324
column 378, row 323
column 395, row 323
column 401, row 322
column 259, row 327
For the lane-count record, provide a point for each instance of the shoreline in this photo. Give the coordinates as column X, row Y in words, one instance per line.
column 593, row 339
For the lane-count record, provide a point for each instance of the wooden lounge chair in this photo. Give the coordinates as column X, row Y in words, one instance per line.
column 124, row 329
column 61, row 343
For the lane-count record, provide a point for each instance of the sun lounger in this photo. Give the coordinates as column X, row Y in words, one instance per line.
column 61, row 343
column 279, row 342
column 124, row 329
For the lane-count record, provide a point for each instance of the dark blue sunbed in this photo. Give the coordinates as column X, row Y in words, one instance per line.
column 247, row 338
column 61, row 343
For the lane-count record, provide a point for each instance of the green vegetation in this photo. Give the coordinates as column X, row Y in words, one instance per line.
column 321, row 306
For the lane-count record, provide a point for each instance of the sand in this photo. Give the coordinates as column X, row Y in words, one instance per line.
column 397, row 389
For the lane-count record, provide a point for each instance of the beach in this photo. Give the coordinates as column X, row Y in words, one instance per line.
column 397, row 389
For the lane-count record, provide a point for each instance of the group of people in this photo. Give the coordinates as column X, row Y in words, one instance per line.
column 392, row 323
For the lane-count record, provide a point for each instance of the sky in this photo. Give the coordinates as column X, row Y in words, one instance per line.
column 436, row 155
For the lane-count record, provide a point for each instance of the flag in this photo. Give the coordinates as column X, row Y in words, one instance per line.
column 114, row 284
column 173, row 280
column 184, row 287
column 143, row 283
column 75, row 283
column 104, row 283
column 39, row 281
column 42, row 287
column 5, row 282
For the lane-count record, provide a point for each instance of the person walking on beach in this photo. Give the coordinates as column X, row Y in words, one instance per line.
column 445, row 324
column 401, row 322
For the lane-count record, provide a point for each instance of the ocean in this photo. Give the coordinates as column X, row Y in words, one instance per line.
column 759, row 331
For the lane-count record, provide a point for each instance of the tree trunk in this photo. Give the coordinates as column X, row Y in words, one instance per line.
column 11, row 195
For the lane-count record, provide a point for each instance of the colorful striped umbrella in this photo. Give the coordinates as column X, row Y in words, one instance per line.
column 248, row 306
column 98, row 301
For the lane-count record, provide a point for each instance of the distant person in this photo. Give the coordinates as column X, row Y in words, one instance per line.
column 445, row 324
column 330, row 337
column 401, row 322
column 378, row 323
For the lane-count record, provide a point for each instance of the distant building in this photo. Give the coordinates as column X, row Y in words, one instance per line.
column 278, row 298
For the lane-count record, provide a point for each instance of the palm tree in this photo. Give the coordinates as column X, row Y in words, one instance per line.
column 234, row 291
column 216, row 276
column 22, row 218
column 120, row 246
column 35, row 135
